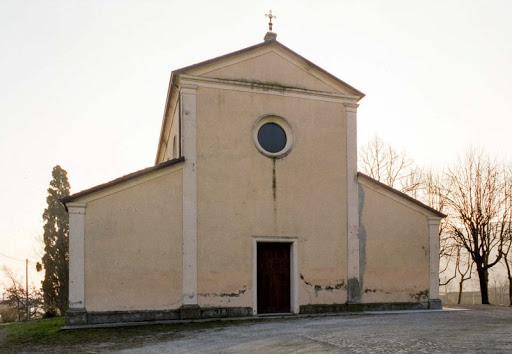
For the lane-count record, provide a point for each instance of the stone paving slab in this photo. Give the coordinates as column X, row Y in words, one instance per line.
column 480, row 329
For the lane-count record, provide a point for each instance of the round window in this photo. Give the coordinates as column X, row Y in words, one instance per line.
column 273, row 136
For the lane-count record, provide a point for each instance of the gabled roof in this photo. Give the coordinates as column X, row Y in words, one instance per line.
column 122, row 179
column 401, row 194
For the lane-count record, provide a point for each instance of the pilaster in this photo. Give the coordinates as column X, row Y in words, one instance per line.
column 354, row 277
column 188, row 118
column 76, row 213
column 433, row 227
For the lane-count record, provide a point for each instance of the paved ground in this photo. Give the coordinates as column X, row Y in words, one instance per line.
column 482, row 329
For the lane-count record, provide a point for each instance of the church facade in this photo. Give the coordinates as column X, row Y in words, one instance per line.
column 254, row 206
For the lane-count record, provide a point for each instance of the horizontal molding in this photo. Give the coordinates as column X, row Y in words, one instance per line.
column 268, row 89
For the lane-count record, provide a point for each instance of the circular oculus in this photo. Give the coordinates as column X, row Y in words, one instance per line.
column 272, row 137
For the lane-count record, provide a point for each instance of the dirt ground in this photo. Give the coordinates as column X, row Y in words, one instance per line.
column 476, row 329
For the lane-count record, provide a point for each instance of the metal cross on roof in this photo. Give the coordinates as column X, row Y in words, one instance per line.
column 270, row 17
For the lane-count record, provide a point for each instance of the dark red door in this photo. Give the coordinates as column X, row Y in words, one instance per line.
column 273, row 277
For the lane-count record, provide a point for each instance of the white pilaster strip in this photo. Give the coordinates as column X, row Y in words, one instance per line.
column 295, row 302
column 188, row 117
column 352, row 204
column 433, row 228
column 76, row 213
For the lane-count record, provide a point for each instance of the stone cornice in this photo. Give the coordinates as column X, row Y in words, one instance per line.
column 265, row 88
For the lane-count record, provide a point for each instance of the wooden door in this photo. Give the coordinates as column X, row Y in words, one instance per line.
column 273, row 277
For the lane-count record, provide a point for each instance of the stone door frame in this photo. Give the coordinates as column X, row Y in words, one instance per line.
column 294, row 269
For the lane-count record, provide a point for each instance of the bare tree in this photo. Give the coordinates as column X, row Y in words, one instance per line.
column 446, row 257
column 383, row 163
column 16, row 296
column 433, row 193
column 15, row 292
column 507, row 259
column 480, row 211
column 506, row 250
column 433, row 185
column 464, row 267
column 413, row 182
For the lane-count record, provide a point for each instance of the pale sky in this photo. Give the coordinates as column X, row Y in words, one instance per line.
column 83, row 83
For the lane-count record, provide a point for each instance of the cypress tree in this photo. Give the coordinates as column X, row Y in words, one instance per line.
column 55, row 261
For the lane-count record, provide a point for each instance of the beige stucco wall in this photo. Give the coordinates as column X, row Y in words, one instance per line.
column 236, row 195
column 133, row 255
column 394, row 248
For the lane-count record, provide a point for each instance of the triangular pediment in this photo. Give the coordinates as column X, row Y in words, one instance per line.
column 269, row 66
column 271, row 63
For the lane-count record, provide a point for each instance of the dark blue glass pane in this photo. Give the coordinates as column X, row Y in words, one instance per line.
column 272, row 137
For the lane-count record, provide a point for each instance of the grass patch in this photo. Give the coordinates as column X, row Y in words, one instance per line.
column 47, row 336
column 22, row 331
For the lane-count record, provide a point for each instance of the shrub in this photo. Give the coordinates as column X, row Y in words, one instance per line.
column 8, row 314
